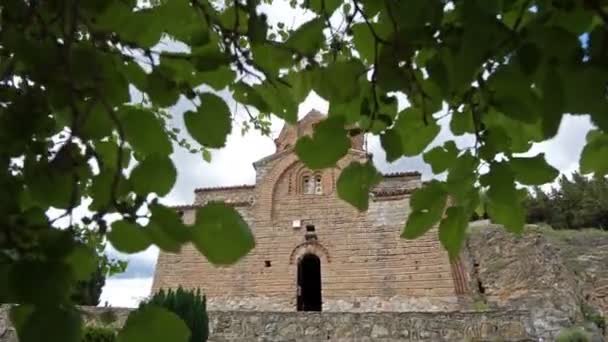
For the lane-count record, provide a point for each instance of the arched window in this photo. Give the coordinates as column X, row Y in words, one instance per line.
column 307, row 185
column 312, row 185
column 318, row 185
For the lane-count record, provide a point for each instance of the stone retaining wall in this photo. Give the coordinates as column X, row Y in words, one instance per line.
column 360, row 327
column 243, row 326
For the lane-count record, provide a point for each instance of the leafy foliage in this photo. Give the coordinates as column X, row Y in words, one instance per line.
column 577, row 202
column 88, row 290
column 189, row 305
column 167, row 326
column 72, row 135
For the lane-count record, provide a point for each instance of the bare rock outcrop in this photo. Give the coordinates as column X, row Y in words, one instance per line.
column 560, row 277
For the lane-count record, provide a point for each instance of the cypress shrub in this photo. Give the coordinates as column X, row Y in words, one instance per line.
column 98, row 334
column 189, row 305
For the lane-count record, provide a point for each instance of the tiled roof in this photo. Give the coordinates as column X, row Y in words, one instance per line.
column 220, row 188
column 402, row 174
column 184, row 206
column 392, row 192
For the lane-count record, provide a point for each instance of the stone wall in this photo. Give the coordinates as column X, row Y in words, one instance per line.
column 379, row 327
column 337, row 327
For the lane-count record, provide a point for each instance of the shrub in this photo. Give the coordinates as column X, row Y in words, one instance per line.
column 592, row 315
column 572, row 335
column 189, row 305
column 98, row 334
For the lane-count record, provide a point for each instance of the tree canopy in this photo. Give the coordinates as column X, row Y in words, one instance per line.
column 85, row 86
column 578, row 203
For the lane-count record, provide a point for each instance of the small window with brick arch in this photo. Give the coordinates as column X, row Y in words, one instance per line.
column 318, row 185
column 307, row 185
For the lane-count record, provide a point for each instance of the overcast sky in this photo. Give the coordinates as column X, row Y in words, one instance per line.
column 232, row 165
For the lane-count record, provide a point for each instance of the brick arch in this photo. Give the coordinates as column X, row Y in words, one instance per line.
column 309, row 247
column 267, row 187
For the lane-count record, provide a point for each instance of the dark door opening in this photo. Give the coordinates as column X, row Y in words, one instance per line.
column 309, row 283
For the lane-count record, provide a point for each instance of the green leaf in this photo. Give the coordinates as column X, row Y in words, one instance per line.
column 428, row 204
column 452, row 230
column 339, row 81
column 534, row 170
column 128, row 237
column 364, row 42
column 144, row 131
column 166, row 229
column 414, row 131
column 462, row 177
column 301, row 83
column 211, row 123
column 97, row 123
column 308, row 38
column 48, row 186
column 355, row 183
column 280, row 99
column 217, row 79
column 37, row 325
column 83, row 262
column 155, row 173
column 441, row 157
column 221, row 234
column 246, row 94
column 593, row 157
column 513, row 95
column 207, row 155
column 328, row 144
column 162, row 88
column 26, row 278
column 228, row 19
column 323, row 7
column 108, row 151
column 101, row 188
column 391, row 143
column 209, row 58
column 462, row 122
column 552, row 103
column 154, row 324
column 271, row 57
column 504, row 202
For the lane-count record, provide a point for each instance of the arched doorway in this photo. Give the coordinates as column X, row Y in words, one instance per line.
column 309, row 283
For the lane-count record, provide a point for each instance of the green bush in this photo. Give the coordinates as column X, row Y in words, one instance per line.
column 98, row 334
column 572, row 335
column 189, row 305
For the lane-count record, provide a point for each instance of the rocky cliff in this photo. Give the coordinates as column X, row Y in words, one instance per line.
column 560, row 277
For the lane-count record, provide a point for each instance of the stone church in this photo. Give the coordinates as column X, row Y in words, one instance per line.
column 315, row 252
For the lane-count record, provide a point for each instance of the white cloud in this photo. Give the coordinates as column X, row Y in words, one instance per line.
column 563, row 151
column 125, row 292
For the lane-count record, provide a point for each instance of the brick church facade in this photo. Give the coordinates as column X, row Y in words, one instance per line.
column 314, row 251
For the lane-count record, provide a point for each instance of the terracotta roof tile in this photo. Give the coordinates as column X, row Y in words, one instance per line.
column 402, row 174
column 220, row 188
column 392, row 192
